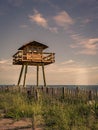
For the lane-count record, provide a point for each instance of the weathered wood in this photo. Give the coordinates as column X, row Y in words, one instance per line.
column 20, row 75
column 47, row 90
column 37, row 75
column 33, row 59
column 90, row 93
column 83, row 95
column 63, row 92
column 52, row 92
column 43, row 74
column 25, row 75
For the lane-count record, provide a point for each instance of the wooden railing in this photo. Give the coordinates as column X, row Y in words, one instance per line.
column 34, row 57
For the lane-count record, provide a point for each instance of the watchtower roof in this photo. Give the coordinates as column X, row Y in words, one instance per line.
column 34, row 43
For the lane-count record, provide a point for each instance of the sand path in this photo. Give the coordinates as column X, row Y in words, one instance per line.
column 10, row 124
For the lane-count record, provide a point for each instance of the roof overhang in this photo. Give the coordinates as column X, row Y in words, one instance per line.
column 33, row 43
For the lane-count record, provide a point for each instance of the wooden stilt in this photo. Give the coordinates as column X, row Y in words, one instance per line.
column 37, row 75
column 25, row 75
column 43, row 74
column 20, row 75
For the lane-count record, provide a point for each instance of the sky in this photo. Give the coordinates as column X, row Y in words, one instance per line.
column 68, row 27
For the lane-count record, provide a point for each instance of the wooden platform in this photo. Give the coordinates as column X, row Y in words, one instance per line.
column 33, row 58
column 31, row 63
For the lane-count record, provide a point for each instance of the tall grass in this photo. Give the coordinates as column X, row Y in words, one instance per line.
column 16, row 105
column 54, row 114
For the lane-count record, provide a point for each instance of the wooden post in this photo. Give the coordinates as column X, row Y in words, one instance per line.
column 37, row 75
column 52, row 92
column 43, row 74
column 90, row 95
column 20, row 75
column 47, row 90
column 36, row 90
column 63, row 92
column 25, row 75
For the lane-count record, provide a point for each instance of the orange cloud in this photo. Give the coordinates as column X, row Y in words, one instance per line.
column 88, row 46
column 38, row 19
column 63, row 18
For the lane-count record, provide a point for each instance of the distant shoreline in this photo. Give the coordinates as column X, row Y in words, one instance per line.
column 87, row 87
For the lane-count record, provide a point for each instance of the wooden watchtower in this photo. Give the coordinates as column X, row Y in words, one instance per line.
column 31, row 54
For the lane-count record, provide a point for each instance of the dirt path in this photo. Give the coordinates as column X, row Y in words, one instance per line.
column 10, row 124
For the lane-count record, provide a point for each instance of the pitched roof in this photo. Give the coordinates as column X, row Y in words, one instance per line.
column 33, row 43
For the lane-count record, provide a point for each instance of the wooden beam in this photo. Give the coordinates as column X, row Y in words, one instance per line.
column 20, row 75
column 25, row 75
column 37, row 75
column 43, row 74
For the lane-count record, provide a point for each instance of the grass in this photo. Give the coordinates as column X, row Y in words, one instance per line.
column 66, row 113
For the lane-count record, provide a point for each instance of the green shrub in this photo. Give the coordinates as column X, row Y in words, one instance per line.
column 56, row 114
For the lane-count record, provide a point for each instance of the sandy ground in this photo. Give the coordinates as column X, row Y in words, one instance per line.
column 10, row 124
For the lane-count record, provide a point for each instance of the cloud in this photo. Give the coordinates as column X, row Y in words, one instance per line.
column 88, row 46
column 5, row 61
column 23, row 26
column 87, row 20
column 6, row 66
column 53, row 29
column 76, row 73
column 72, row 73
column 63, row 18
column 8, row 72
column 84, row 21
column 68, row 62
column 16, row 3
column 68, row 66
column 49, row 3
column 38, row 19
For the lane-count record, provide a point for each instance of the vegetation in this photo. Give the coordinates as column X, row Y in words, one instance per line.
column 53, row 114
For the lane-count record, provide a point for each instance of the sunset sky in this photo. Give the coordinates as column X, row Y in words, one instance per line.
column 68, row 27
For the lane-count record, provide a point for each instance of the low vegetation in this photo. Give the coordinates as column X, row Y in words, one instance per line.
column 50, row 113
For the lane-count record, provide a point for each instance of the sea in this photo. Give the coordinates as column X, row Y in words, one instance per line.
column 84, row 87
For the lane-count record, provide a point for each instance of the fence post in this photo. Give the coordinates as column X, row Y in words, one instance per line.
column 46, row 90
column 52, row 92
column 63, row 92
column 90, row 95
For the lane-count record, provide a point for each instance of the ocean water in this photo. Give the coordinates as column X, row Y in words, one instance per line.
column 86, row 87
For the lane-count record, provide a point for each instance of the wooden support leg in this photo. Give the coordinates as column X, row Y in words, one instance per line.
column 43, row 74
column 36, row 92
column 37, row 75
column 25, row 75
column 20, row 75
